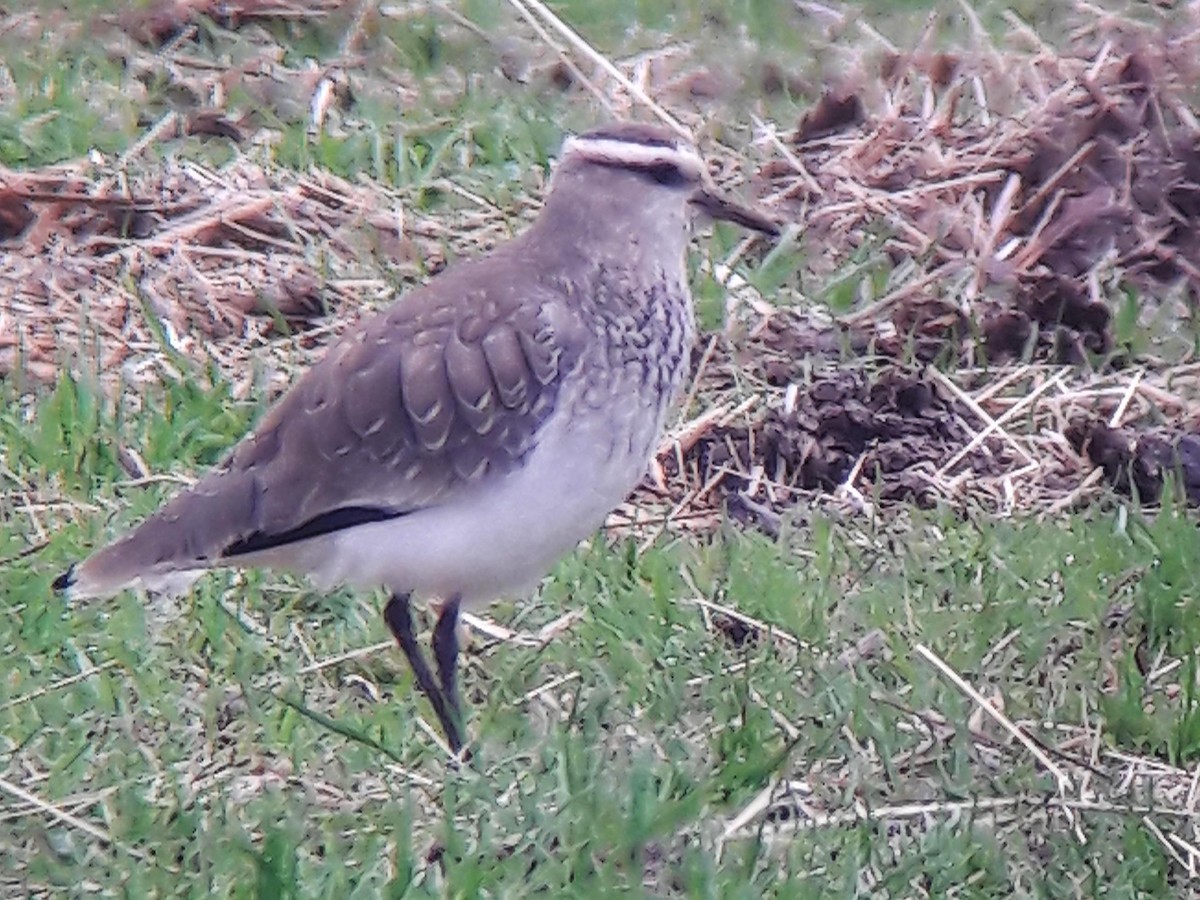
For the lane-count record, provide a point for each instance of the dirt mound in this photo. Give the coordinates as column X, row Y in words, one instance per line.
column 866, row 433
column 895, row 428
column 871, row 435
column 1018, row 191
column 1002, row 206
column 1138, row 463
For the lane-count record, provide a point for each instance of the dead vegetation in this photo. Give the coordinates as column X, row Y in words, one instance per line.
column 1013, row 195
column 160, row 21
column 1031, row 182
column 1017, row 196
column 206, row 258
column 1010, row 196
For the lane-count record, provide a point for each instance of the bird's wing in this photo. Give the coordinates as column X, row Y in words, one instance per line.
column 414, row 405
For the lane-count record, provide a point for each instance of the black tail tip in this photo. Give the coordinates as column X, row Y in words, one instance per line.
column 64, row 581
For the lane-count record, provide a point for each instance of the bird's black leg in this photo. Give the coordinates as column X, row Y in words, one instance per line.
column 445, row 653
column 398, row 614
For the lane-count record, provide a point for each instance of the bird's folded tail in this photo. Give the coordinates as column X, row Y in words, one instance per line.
column 219, row 521
column 174, row 546
column 121, row 565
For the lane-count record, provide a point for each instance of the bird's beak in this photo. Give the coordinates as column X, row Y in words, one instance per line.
column 709, row 201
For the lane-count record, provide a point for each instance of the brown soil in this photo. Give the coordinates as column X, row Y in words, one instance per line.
column 1026, row 211
column 1139, row 463
column 897, row 428
column 1032, row 189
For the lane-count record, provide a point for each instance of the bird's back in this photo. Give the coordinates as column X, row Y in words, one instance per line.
column 434, row 427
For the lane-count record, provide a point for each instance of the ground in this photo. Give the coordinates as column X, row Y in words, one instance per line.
column 907, row 603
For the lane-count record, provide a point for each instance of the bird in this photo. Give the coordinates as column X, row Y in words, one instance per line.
column 455, row 445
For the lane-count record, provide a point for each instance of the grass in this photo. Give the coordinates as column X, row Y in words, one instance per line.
column 218, row 747
column 202, row 742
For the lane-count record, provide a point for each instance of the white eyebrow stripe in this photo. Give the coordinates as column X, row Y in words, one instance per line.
column 635, row 155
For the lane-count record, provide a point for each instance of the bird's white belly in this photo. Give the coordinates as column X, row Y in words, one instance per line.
column 498, row 539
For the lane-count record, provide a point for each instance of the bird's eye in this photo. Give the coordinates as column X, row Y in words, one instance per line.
column 666, row 174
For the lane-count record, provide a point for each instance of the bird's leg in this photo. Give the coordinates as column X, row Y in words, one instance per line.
column 445, row 653
column 398, row 614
